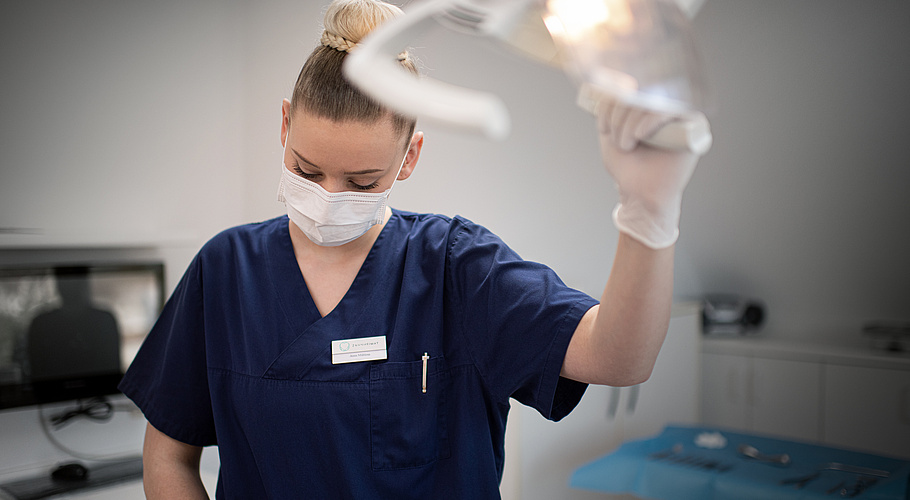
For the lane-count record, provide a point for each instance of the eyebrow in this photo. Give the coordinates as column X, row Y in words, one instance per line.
column 357, row 172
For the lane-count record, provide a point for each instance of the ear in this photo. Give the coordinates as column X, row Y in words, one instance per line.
column 285, row 120
column 411, row 156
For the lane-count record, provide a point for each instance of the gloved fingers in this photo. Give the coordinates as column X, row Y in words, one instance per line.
column 628, row 125
column 604, row 111
column 628, row 135
column 612, row 117
column 618, row 121
column 649, row 124
column 640, row 125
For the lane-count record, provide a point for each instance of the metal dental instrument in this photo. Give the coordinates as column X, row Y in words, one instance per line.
column 752, row 452
column 838, row 487
column 801, row 481
column 674, row 450
column 855, row 469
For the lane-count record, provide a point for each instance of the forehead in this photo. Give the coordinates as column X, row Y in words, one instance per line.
column 316, row 134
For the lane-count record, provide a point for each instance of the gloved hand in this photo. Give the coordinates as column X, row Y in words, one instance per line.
column 650, row 180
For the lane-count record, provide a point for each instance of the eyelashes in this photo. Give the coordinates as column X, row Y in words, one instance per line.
column 365, row 188
column 297, row 170
column 312, row 177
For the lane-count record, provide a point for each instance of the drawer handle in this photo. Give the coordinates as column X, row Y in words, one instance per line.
column 613, row 406
column 905, row 405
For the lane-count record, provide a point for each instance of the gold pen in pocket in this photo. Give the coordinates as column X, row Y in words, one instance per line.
column 425, row 359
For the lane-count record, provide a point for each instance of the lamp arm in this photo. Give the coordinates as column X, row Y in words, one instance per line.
column 373, row 68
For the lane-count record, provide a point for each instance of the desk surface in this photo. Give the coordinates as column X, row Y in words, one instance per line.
column 672, row 466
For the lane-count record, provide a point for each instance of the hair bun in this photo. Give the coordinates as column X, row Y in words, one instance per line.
column 322, row 89
column 349, row 21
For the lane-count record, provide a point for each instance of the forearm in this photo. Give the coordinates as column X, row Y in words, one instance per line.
column 174, row 484
column 617, row 343
column 170, row 469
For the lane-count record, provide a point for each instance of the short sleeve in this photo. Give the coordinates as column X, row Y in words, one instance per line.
column 518, row 318
column 168, row 378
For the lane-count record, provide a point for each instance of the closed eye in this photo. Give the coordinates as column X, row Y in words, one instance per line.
column 312, row 177
column 374, row 185
column 297, row 170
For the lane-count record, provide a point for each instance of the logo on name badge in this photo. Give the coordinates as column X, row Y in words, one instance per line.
column 344, row 346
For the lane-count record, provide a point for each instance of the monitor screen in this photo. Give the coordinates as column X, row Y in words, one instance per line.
column 70, row 331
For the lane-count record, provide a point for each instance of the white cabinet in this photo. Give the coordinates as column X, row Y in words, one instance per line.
column 762, row 395
column 541, row 455
column 785, row 398
column 867, row 409
column 726, row 390
column 844, row 397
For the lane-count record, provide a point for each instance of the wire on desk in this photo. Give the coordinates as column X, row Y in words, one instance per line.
column 98, row 409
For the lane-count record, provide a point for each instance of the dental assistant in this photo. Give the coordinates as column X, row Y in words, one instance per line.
column 352, row 350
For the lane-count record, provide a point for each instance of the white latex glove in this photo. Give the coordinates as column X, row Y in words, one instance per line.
column 650, row 180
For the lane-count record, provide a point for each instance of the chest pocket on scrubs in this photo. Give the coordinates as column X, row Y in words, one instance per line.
column 408, row 426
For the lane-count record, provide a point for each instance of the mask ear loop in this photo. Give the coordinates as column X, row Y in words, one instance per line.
column 284, row 153
column 287, row 139
column 403, row 160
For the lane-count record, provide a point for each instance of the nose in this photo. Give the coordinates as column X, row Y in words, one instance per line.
column 333, row 184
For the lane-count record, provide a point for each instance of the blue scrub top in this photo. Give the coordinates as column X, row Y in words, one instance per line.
column 241, row 358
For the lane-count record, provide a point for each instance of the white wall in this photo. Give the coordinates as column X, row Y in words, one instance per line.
column 803, row 200
column 120, row 121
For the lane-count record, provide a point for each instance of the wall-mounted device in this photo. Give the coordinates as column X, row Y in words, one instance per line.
column 731, row 315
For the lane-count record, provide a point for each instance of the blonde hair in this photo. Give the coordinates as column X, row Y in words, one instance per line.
column 321, row 88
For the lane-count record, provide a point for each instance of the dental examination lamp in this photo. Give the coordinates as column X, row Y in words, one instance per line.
column 636, row 52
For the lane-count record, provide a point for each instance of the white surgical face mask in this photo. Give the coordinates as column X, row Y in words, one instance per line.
column 331, row 219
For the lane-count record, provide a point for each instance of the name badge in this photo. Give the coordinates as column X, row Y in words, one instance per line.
column 354, row 350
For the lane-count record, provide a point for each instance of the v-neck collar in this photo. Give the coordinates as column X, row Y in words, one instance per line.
column 294, row 295
column 307, row 338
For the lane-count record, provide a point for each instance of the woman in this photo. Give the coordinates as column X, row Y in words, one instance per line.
column 349, row 350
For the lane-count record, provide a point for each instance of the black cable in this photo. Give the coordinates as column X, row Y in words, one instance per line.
column 99, row 409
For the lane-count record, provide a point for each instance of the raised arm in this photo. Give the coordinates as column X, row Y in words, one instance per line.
column 170, row 468
column 617, row 343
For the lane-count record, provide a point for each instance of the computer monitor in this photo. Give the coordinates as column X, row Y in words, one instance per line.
column 69, row 331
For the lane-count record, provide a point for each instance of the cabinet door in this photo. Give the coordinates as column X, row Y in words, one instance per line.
column 768, row 396
column 726, row 397
column 867, row 409
column 786, row 398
